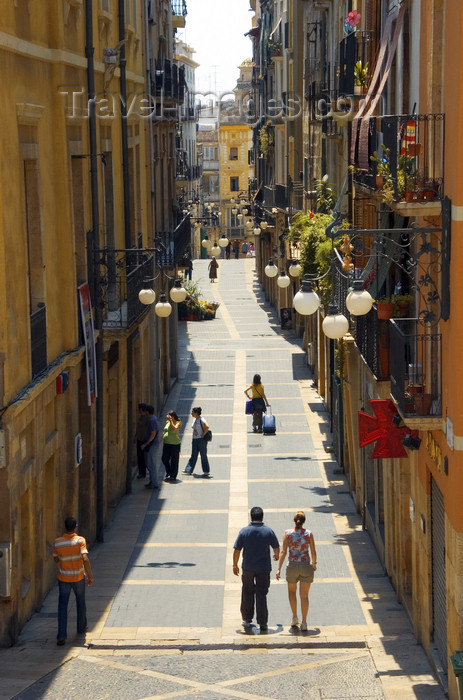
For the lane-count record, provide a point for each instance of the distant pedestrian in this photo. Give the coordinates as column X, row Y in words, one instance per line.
column 70, row 552
column 228, row 250
column 213, row 267
column 171, row 447
column 149, row 447
column 259, row 401
column 198, row 444
column 255, row 540
column 236, row 249
column 142, row 422
column 244, row 248
column 188, row 265
column 301, row 566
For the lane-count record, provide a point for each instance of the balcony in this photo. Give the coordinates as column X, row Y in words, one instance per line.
column 179, row 11
column 121, row 277
column 276, row 196
column 415, row 354
column 174, row 243
column 38, row 340
column 372, row 338
column 401, row 158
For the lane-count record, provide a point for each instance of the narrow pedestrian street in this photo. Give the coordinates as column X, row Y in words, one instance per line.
column 164, row 611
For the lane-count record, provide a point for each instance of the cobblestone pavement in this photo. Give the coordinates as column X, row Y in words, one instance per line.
column 164, row 615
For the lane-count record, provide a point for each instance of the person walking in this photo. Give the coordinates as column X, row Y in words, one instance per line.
column 213, row 267
column 149, row 442
column 171, row 447
column 255, row 541
column 259, row 401
column 198, row 444
column 70, row 552
column 140, row 430
column 228, row 250
column 236, row 249
column 301, row 566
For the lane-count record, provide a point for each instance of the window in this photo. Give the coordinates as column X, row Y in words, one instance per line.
column 105, row 5
column 233, row 153
column 234, row 184
column 210, row 153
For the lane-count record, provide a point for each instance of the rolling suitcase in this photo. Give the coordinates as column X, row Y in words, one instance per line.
column 268, row 425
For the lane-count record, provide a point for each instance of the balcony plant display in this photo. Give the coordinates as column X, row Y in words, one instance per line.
column 384, row 308
column 326, row 195
column 274, row 48
column 308, row 232
column 360, row 77
column 402, row 304
column 266, row 138
column 383, row 173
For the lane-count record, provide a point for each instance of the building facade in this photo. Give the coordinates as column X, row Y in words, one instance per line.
column 85, row 226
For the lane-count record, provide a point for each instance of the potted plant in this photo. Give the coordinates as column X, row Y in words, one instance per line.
column 383, row 174
column 384, row 308
column 402, row 304
column 360, row 77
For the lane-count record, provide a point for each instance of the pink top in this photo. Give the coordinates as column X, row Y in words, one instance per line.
column 298, row 544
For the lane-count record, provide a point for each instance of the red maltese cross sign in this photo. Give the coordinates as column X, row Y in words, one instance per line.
column 382, row 429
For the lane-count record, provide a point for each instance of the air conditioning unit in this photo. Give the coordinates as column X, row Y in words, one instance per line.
column 5, row 570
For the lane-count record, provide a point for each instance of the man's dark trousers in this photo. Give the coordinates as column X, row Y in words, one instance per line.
column 255, row 587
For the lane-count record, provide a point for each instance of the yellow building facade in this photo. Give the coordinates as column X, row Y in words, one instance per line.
column 78, row 202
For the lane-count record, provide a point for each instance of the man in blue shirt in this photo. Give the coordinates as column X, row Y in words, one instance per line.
column 149, row 447
column 255, row 540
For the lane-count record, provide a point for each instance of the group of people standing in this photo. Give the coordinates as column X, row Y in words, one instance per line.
column 148, row 434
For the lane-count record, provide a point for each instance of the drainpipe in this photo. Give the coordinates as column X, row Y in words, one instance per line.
column 125, row 149
column 89, row 51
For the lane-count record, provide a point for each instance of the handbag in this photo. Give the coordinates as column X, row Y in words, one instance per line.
column 249, row 407
column 208, row 436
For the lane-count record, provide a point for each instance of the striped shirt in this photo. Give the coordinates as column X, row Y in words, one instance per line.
column 69, row 549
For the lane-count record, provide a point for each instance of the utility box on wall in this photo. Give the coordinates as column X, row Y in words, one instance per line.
column 5, row 570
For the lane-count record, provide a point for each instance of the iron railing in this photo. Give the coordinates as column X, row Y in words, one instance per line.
column 415, row 368
column 179, row 7
column 173, row 244
column 38, row 323
column 372, row 338
column 121, row 276
column 411, row 163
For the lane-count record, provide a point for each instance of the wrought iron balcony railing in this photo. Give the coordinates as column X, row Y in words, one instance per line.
column 372, row 338
column 39, row 340
column 121, row 276
column 402, row 157
column 415, row 368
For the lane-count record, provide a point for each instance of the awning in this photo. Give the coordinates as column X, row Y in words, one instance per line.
column 378, row 82
column 275, row 27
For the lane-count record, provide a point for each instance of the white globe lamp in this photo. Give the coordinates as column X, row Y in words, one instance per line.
column 256, row 231
column 178, row 292
column 147, row 296
column 335, row 325
column 283, row 280
column 163, row 308
column 215, row 250
column 295, row 269
column 264, row 225
column 206, row 242
column 271, row 269
column 234, row 210
column 249, row 224
column 306, row 301
column 359, row 301
column 223, row 241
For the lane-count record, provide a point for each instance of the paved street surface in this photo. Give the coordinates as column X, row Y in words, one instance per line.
column 164, row 617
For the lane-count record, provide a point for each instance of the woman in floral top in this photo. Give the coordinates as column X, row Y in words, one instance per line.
column 299, row 544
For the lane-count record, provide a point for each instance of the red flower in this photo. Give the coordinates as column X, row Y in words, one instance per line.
column 354, row 18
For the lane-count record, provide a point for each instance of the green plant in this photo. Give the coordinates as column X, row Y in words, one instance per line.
column 266, row 137
column 361, row 74
column 382, row 162
column 308, row 231
column 406, row 298
column 326, row 195
column 383, row 300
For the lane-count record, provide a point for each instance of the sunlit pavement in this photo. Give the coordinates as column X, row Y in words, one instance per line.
column 164, row 616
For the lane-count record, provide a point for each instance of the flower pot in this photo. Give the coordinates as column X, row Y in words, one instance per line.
column 385, row 310
column 404, row 308
column 358, row 90
column 409, row 196
column 423, row 404
column 414, row 149
column 379, row 181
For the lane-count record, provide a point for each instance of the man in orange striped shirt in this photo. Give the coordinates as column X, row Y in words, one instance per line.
column 70, row 551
